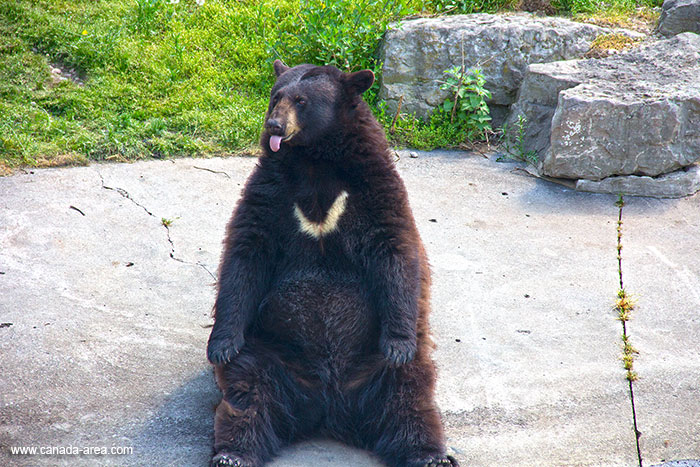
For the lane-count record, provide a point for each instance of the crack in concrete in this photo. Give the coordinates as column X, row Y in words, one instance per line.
column 172, row 255
column 212, row 171
column 624, row 307
column 125, row 194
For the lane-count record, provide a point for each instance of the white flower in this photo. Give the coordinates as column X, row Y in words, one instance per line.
column 174, row 2
column 199, row 2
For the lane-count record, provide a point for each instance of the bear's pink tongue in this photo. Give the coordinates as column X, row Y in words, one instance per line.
column 275, row 142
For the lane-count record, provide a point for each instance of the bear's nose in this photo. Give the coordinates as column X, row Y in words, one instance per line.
column 273, row 125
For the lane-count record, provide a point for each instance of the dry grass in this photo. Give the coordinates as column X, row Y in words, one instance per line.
column 643, row 19
column 607, row 44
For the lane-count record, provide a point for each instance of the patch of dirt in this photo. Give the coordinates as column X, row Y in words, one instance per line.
column 61, row 71
column 62, row 160
column 59, row 74
column 537, row 6
column 5, row 170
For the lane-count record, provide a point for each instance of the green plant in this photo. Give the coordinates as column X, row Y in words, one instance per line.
column 407, row 130
column 624, row 306
column 575, row 7
column 145, row 18
column 344, row 33
column 514, row 144
column 468, row 109
column 470, row 6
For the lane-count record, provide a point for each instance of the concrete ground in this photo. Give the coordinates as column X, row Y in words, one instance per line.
column 104, row 313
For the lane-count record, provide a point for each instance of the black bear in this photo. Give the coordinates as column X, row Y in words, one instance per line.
column 321, row 317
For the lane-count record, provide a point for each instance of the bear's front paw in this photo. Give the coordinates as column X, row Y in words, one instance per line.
column 398, row 351
column 221, row 350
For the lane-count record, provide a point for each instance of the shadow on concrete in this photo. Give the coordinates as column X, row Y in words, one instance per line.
column 182, row 430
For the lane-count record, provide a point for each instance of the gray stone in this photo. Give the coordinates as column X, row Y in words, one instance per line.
column 679, row 16
column 416, row 54
column 676, row 184
column 537, row 101
column 635, row 113
column 682, row 463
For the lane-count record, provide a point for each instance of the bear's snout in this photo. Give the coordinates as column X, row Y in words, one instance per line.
column 274, row 126
column 281, row 123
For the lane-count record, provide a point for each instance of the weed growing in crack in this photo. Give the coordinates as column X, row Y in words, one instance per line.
column 513, row 143
column 624, row 306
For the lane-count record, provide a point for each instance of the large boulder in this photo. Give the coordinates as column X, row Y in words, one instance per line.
column 679, row 16
column 634, row 113
column 416, row 54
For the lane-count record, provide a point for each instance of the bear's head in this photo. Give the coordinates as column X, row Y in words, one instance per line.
column 308, row 104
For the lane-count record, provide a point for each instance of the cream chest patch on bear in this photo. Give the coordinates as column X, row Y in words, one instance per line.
column 329, row 224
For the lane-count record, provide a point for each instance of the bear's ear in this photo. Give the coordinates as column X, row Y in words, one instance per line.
column 279, row 67
column 358, row 82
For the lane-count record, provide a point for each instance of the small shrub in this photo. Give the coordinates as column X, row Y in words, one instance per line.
column 411, row 131
column 344, row 33
column 513, row 144
column 468, row 109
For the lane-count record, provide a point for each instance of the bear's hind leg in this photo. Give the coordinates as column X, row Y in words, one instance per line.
column 258, row 413
column 401, row 420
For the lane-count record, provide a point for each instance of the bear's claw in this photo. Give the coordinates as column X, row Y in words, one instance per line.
column 226, row 460
column 220, row 351
column 447, row 461
column 399, row 351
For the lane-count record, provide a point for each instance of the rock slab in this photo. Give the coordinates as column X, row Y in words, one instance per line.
column 635, row 113
column 679, row 16
column 676, row 184
column 417, row 52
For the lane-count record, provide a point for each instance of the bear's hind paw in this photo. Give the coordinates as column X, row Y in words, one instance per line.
column 226, row 460
column 446, row 461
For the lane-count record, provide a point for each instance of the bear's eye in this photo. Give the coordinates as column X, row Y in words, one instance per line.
column 301, row 102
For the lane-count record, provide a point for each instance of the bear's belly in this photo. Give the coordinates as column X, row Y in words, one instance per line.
column 321, row 318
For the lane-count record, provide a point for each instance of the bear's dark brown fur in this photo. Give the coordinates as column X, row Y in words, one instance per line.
column 321, row 317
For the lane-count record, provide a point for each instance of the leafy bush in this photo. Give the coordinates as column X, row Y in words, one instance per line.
column 464, row 117
column 411, row 131
column 513, row 143
column 344, row 33
column 468, row 110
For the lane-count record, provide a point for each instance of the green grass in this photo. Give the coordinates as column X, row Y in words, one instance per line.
column 165, row 80
column 162, row 80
